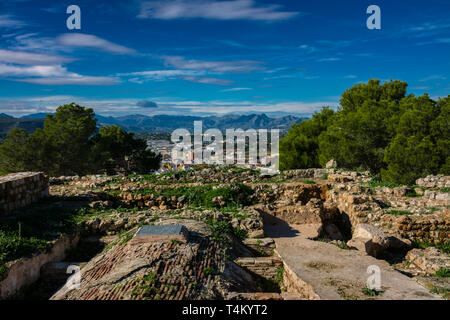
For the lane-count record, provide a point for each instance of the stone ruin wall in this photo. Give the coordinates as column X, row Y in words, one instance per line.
column 18, row 190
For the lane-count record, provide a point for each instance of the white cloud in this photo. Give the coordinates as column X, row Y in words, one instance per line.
column 213, row 66
column 20, row 106
column 308, row 49
column 81, row 40
column 74, row 79
column 421, row 88
column 433, row 77
column 51, row 75
column 195, row 70
column 8, row 21
column 161, row 75
column 208, row 80
column 27, row 71
column 217, row 10
column 21, row 57
column 435, row 41
column 328, row 59
column 236, row 89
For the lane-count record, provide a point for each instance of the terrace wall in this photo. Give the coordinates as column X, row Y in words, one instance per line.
column 18, row 190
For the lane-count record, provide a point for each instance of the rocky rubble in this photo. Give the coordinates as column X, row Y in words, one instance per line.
column 439, row 181
column 428, row 261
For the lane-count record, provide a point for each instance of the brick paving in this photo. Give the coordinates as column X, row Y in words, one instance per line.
column 176, row 271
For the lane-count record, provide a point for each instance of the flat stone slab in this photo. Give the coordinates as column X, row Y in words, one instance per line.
column 160, row 233
column 336, row 274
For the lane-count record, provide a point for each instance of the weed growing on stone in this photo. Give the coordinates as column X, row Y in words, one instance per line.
column 208, row 271
column 399, row 212
column 412, row 194
column 445, row 293
column 441, row 246
column 371, row 292
column 443, row 273
column 280, row 274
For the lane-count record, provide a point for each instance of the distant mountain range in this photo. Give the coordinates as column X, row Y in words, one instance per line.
column 161, row 123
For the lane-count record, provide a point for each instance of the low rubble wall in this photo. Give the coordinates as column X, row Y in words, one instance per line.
column 18, row 190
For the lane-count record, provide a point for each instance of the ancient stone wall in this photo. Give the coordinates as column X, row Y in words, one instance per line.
column 265, row 246
column 439, row 181
column 266, row 267
column 25, row 271
column 18, row 190
column 292, row 283
column 306, row 173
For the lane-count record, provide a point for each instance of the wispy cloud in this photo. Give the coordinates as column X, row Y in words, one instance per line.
column 213, row 66
column 67, row 42
column 39, row 71
column 236, row 89
column 421, row 88
column 198, row 71
column 328, row 59
column 73, row 79
column 161, row 75
column 8, row 21
column 209, row 80
column 427, row 29
column 164, row 75
column 434, row 41
column 80, row 40
column 433, row 77
column 336, row 43
column 20, row 57
column 308, row 48
column 44, row 69
column 217, row 10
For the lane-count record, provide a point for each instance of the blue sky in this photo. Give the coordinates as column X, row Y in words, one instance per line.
column 215, row 57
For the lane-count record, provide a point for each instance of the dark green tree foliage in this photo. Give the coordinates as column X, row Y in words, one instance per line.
column 66, row 140
column 421, row 145
column 363, row 126
column 13, row 152
column 116, row 149
column 378, row 128
column 299, row 148
column 68, row 144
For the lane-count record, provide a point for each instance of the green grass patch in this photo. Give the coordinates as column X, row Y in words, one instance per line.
column 412, row 194
column 209, row 271
column 441, row 246
column 280, row 274
column 399, row 212
column 234, row 196
column 445, row 293
column 443, row 273
column 371, row 292
column 376, row 181
column 309, row 182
